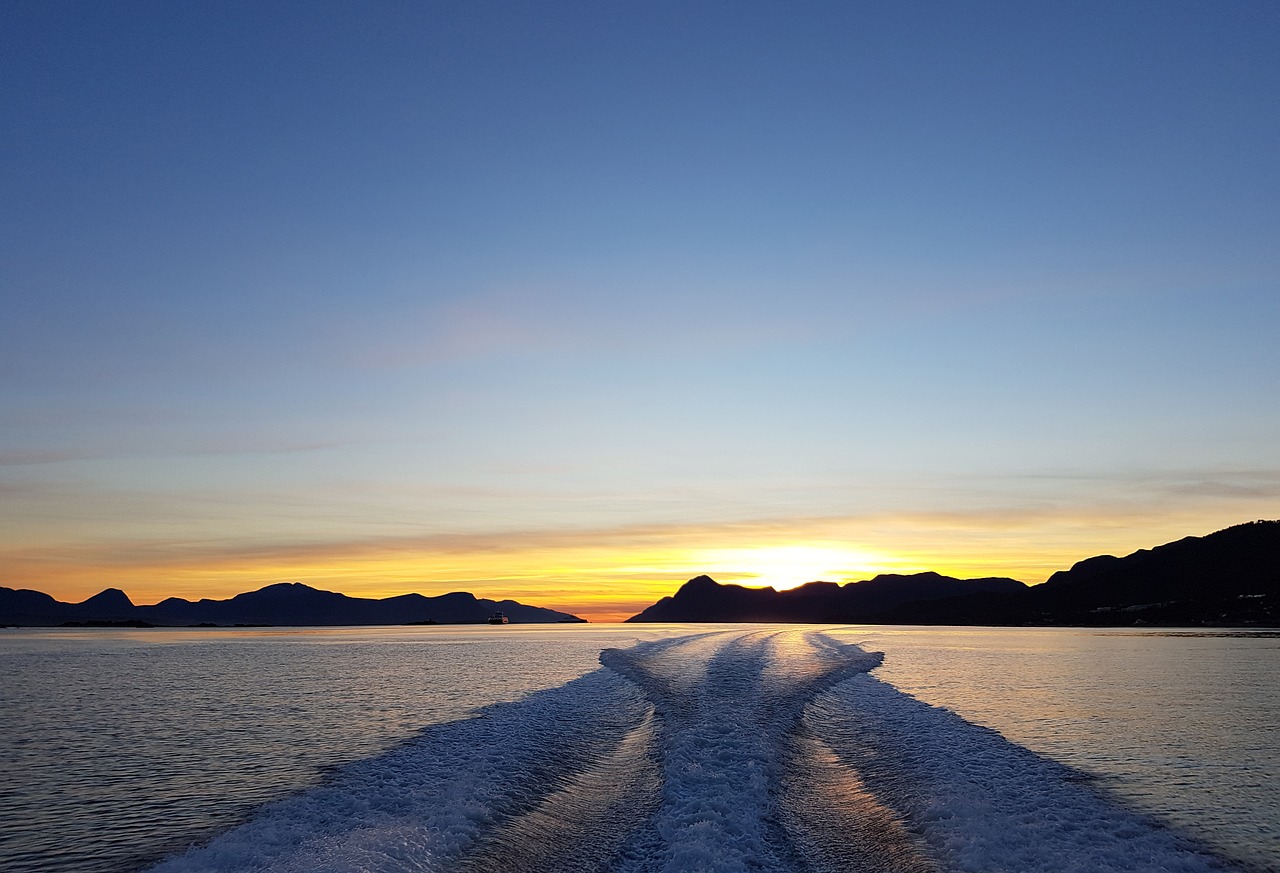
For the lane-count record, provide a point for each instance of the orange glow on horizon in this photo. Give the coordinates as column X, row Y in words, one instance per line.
column 793, row 565
column 606, row 575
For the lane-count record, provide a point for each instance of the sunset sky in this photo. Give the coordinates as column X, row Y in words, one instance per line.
column 571, row 301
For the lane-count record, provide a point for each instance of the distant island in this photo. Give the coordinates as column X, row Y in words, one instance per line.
column 288, row 604
column 1228, row 578
column 704, row 599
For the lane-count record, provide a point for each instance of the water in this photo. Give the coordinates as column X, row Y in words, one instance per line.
column 118, row 747
column 123, row 747
column 1182, row 724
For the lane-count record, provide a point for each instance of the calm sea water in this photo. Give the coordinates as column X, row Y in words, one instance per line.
column 121, row 747
column 1182, row 724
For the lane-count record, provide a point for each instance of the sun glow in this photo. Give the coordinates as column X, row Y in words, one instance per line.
column 603, row 575
column 785, row 567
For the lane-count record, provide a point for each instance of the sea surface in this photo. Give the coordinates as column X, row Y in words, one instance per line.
column 729, row 748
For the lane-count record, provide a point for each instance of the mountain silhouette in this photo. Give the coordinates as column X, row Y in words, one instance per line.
column 1231, row 577
column 288, row 604
column 704, row 599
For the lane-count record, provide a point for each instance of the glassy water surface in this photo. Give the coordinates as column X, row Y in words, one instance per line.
column 1182, row 724
column 119, row 747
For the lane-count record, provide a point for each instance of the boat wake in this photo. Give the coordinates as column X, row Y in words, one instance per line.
column 735, row 751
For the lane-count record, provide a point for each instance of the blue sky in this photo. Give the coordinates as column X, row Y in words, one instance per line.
column 344, row 277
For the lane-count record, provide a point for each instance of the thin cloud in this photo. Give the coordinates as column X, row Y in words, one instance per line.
column 576, row 316
column 31, row 457
column 231, row 446
column 886, row 531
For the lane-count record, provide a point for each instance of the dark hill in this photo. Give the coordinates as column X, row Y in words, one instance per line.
column 704, row 599
column 34, row 608
column 1231, row 576
column 110, row 604
column 286, row 604
column 1227, row 578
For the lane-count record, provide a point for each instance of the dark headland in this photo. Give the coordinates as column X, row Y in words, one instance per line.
column 1228, row 578
column 704, row 599
column 288, row 604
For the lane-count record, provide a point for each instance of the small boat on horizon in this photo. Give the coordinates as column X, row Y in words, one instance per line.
column 498, row 618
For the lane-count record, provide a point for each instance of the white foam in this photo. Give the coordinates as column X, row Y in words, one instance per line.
column 421, row 806
column 726, row 702
column 983, row 804
column 734, row 752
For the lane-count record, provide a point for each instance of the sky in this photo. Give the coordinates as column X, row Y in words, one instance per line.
column 572, row 301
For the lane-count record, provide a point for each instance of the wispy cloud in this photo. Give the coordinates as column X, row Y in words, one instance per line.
column 205, row 446
column 577, row 315
column 28, row 457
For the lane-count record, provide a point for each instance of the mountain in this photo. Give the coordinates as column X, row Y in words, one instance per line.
column 704, row 599
column 286, row 604
column 1231, row 577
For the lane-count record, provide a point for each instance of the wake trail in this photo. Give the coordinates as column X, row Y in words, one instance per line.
column 981, row 804
column 726, row 721
column 448, row 794
column 756, row 751
column 580, row 826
